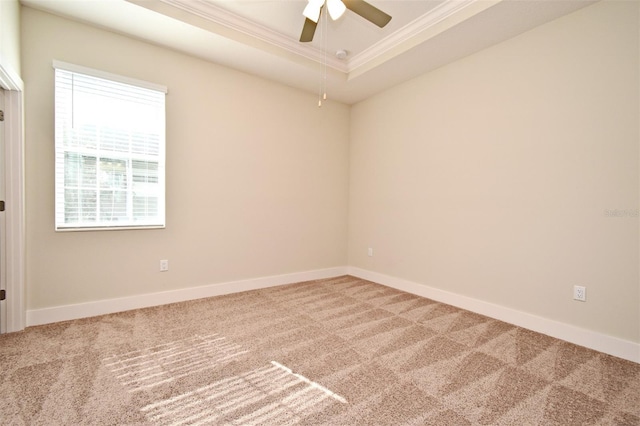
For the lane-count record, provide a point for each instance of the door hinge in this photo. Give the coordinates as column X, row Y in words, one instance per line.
column 3, row 294
column 1, row 206
column 1, row 115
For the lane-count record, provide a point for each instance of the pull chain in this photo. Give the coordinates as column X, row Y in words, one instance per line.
column 322, row 92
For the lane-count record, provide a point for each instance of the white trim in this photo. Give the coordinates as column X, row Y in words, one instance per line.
column 220, row 16
column 109, row 76
column 15, row 219
column 600, row 342
column 9, row 79
column 14, row 304
column 109, row 306
column 107, row 228
column 3, row 227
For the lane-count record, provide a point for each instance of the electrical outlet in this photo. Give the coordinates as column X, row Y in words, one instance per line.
column 164, row 265
column 579, row 293
column 370, row 252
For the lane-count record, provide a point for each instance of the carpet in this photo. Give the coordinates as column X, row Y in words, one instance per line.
column 340, row 351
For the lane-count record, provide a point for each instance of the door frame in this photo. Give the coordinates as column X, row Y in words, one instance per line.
column 14, row 200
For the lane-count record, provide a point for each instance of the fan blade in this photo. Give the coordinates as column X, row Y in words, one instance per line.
column 368, row 12
column 308, row 30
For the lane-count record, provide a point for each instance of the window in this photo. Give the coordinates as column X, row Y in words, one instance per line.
column 109, row 151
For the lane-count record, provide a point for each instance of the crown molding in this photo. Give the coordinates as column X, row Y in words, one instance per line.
column 407, row 36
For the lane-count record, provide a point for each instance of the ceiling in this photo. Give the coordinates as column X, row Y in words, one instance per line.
column 260, row 37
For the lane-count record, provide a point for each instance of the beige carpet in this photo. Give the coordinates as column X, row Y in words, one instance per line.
column 342, row 351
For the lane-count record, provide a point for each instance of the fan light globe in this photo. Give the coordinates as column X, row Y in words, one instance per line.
column 336, row 8
column 312, row 10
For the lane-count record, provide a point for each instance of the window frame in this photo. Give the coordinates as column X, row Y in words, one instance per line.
column 131, row 159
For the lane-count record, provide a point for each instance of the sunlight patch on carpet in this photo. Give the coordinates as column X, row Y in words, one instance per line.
column 146, row 368
column 272, row 393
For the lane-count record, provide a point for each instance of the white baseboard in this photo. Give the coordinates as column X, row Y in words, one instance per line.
column 600, row 342
column 109, row 306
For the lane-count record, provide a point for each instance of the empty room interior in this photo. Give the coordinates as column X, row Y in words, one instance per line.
column 459, row 215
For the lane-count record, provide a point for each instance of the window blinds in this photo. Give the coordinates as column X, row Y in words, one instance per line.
column 109, row 150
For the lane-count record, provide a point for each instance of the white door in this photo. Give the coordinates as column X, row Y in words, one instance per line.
column 3, row 269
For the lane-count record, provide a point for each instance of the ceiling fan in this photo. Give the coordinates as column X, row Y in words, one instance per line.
column 336, row 8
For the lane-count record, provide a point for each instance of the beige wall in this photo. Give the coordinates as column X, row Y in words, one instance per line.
column 512, row 175
column 257, row 175
column 10, row 36
column 508, row 176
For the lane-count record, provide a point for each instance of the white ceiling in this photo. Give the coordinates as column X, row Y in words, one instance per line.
column 260, row 37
